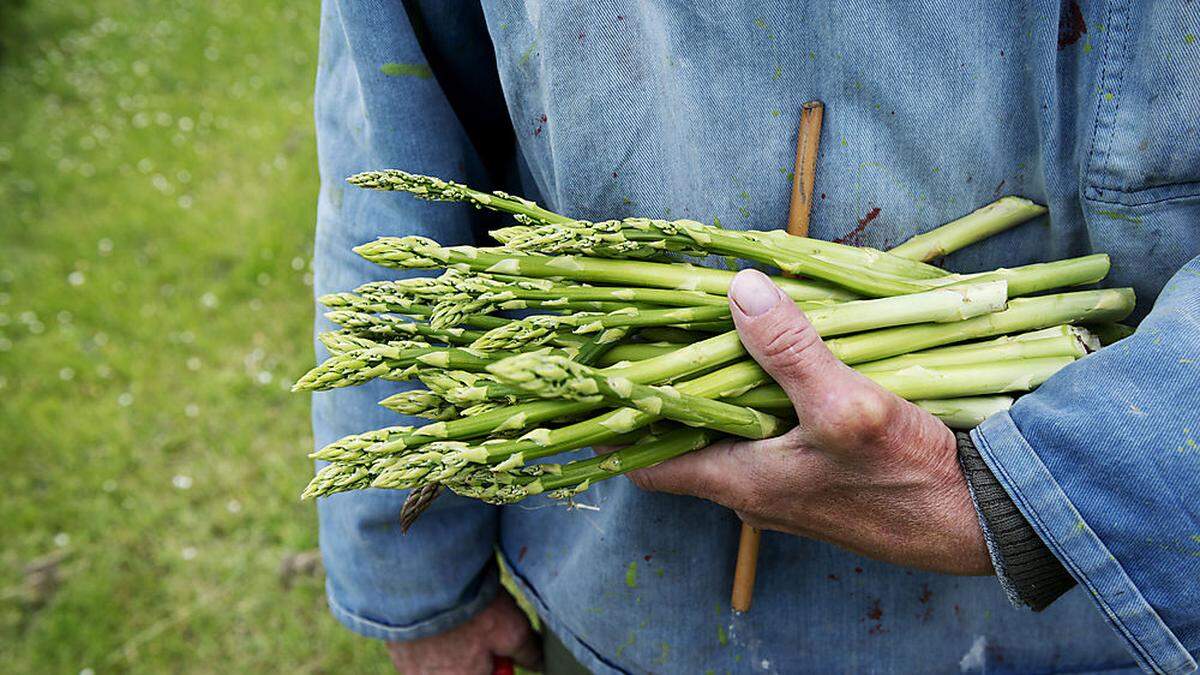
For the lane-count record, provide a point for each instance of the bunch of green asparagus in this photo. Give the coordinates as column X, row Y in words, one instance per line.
column 622, row 341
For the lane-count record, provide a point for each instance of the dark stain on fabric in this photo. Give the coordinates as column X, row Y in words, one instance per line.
column 521, row 553
column 542, row 121
column 926, row 594
column 832, row 577
column 1071, row 25
column 999, row 187
column 648, row 557
column 858, row 570
column 875, row 614
column 853, row 236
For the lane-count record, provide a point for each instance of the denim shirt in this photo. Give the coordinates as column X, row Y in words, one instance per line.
column 617, row 108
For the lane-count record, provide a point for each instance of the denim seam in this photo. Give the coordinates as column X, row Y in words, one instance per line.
column 437, row 623
column 1192, row 187
column 1181, row 659
column 1099, row 111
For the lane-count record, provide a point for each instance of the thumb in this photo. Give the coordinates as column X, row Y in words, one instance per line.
column 833, row 403
column 781, row 339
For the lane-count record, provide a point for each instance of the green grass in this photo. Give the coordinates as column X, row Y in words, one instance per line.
column 157, row 196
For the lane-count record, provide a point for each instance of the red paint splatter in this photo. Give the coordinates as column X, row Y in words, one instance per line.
column 832, row 577
column 538, row 130
column 620, row 17
column 822, row 195
column 1071, row 26
column 853, row 236
column 875, row 613
column 521, row 553
column 581, row 36
column 858, row 570
column 647, row 557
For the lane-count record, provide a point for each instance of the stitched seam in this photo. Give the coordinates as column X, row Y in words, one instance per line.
column 1118, row 92
column 1134, row 193
column 1090, row 167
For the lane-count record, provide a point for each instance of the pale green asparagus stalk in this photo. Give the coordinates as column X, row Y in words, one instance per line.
column 680, row 363
column 435, row 189
column 447, row 460
column 1023, row 346
column 940, row 305
column 967, row 412
column 978, row 225
column 422, row 253
column 920, row 382
column 1023, row 314
column 560, row 378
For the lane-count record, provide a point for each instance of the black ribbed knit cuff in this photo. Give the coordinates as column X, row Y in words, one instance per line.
column 1029, row 572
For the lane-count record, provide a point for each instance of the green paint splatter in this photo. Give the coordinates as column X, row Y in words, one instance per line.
column 777, row 74
column 631, row 575
column 1196, row 538
column 1190, row 38
column 503, row 25
column 664, row 653
column 776, row 112
column 722, row 637
column 1189, row 443
column 1108, row 96
column 710, row 671
column 812, row 56
column 1116, row 215
column 406, row 70
column 527, row 53
column 760, row 24
column 660, row 572
column 843, row 141
column 744, row 196
column 629, row 642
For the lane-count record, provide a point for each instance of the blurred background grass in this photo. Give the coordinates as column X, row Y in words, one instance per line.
column 157, row 197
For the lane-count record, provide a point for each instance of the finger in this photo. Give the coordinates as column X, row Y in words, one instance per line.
column 715, row 472
column 529, row 653
column 829, row 397
column 513, row 636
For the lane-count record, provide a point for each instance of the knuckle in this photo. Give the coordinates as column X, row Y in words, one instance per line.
column 791, row 342
column 867, row 413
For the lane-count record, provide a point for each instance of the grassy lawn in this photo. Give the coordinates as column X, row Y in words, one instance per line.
column 157, row 196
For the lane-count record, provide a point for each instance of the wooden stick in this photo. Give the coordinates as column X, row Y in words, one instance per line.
column 808, row 140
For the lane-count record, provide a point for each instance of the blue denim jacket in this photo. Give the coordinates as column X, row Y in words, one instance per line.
column 616, row 108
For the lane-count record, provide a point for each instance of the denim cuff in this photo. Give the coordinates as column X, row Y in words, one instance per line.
column 431, row 625
column 1052, row 515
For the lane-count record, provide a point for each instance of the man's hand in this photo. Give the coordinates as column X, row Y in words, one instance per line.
column 499, row 630
column 863, row 469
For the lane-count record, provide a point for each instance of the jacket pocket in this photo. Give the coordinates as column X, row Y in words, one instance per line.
column 1145, row 135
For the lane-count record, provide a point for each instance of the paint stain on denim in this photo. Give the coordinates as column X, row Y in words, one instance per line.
column 631, row 574
column 1071, row 25
column 854, row 236
column 418, row 70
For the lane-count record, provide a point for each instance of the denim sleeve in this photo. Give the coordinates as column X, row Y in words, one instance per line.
column 378, row 104
column 1104, row 464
